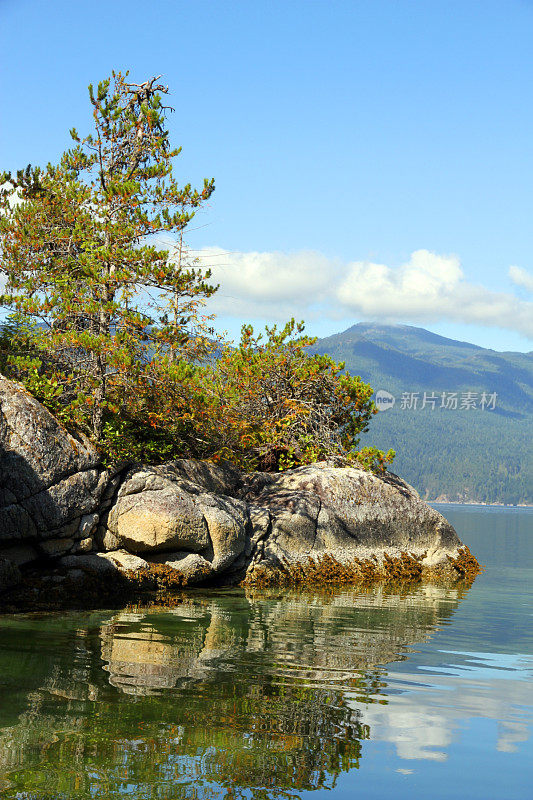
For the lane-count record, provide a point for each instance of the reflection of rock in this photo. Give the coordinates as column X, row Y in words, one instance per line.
column 140, row 662
column 266, row 690
column 222, row 638
column 142, row 658
column 259, row 682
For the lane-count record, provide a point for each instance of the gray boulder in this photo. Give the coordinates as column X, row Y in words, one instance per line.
column 37, row 451
column 158, row 509
column 153, row 513
column 346, row 513
column 245, row 521
column 194, row 567
column 48, row 478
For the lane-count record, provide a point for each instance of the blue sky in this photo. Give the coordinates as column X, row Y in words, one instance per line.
column 344, row 137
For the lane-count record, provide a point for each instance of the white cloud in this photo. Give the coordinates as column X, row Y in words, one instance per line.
column 309, row 285
column 15, row 198
column 427, row 288
column 273, row 276
column 521, row 277
column 272, row 284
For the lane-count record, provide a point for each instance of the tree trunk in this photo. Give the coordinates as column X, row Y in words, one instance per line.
column 99, row 398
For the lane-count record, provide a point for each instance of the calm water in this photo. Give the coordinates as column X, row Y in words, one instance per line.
column 347, row 695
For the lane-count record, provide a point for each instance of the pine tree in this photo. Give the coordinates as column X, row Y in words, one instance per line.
column 112, row 308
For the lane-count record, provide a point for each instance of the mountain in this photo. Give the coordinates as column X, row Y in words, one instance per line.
column 479, row 451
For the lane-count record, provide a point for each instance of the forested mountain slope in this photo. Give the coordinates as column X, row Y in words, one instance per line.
column 470, row 437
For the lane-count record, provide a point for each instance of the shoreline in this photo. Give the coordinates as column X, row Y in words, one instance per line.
column 484, row 505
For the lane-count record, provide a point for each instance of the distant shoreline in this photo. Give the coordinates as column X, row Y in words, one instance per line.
column 485, row 505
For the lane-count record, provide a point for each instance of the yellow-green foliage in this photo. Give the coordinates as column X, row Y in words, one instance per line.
column 274, row 406
column 160, row 578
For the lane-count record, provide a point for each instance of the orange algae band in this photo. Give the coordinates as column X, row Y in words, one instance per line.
column 327, row 570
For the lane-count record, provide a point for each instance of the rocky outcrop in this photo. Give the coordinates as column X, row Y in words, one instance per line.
column 62, row 513
column 50, row 482
column 345, row 512
column 159, row 509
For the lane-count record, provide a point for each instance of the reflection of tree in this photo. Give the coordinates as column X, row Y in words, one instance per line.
column 214, row 697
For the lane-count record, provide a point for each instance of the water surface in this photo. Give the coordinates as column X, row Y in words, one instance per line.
column 370, row 694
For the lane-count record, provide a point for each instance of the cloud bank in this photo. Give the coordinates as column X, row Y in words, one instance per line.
column 309, row 285
column 427, row 288
column 521, row 277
